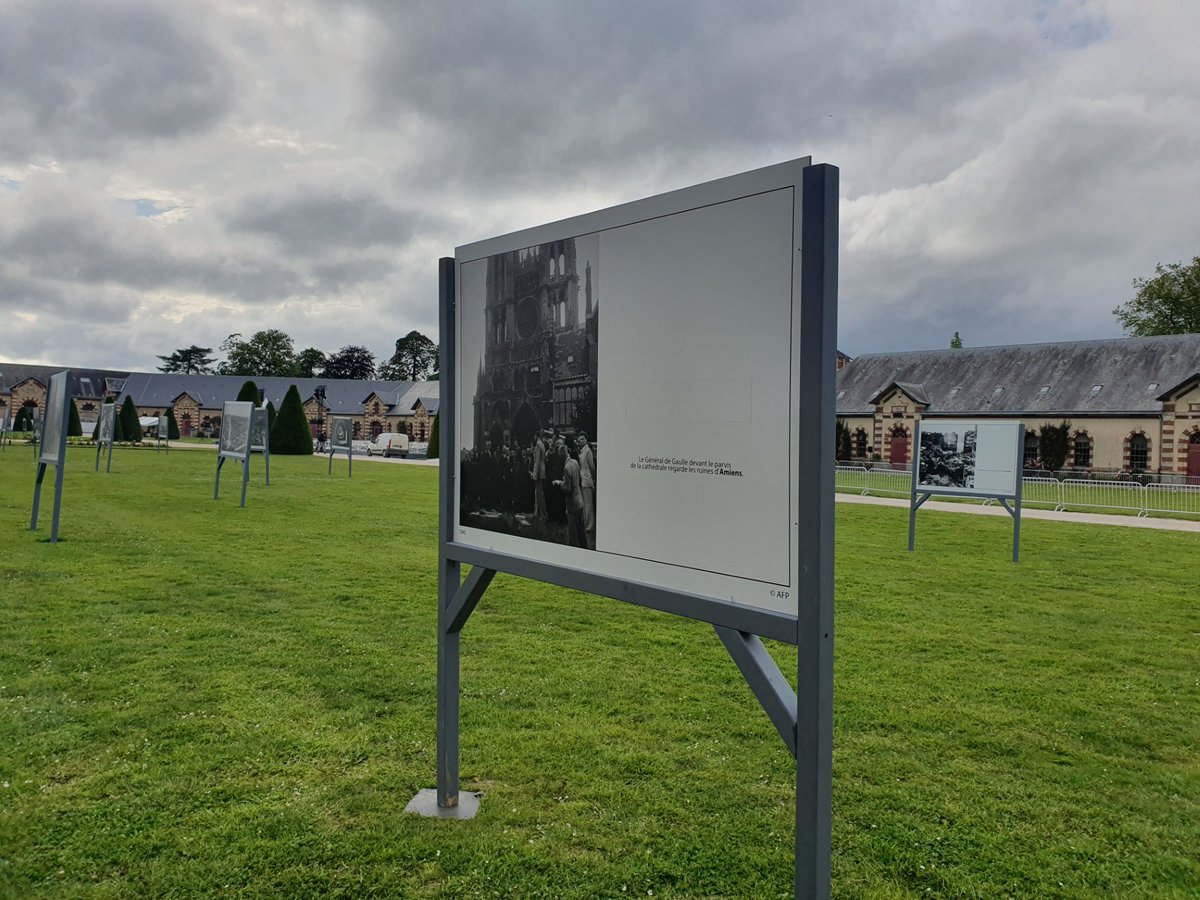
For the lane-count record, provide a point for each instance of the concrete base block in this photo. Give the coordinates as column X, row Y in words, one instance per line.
column 425, row 804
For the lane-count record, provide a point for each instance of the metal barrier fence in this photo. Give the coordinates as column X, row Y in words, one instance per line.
column 1069, row 494
column 1173, row 499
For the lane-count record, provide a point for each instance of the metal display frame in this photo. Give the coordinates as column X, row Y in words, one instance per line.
column 803, row 717
column 1010, row 501
column 102, row 438
column 57, row 457
column 349, row 446
column 240, row 454
column 4, row 416
column 162, row 434
column 262, row 417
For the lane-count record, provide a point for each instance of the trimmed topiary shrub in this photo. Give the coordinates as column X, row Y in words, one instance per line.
column 435, row 444
column 131, row 428
column 249, row 392
column 290, row 434
column 172, row 425
column 24, row 420
column 271, row 414
column 74, row 426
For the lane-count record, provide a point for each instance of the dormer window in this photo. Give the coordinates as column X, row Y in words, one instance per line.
column 1043, row 390
column 1152, row 386
column 997, row 392
column 1097, row 388
column 954, row 391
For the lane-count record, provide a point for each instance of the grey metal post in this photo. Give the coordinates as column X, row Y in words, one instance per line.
column 916, row 501
column 449, row 570
column 245, row 479
column 814, row 633
column 37, row 495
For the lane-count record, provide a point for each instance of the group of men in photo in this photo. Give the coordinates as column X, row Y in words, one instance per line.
column 548, row 485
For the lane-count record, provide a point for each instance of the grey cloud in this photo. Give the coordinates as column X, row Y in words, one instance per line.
column 316, row 223
column 78, row 78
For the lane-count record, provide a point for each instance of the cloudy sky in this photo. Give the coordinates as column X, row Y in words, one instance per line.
column 174, row 172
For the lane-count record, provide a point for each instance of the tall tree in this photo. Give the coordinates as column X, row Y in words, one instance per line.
column 415, row 355
column 172, row 425
column 131, row 428
column 309, row 362
column 956, row 342
column 1168, row 303
column 267, row 352
column 1054, row 443
column 350, row 362
column 191, row 360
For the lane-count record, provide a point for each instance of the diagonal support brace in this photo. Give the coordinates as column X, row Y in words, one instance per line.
column 466, row 598
column 768, row 683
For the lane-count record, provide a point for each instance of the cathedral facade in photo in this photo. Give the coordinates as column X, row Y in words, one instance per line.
column 539, row 363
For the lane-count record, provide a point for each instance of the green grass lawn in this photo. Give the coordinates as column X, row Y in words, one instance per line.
column 197, row 699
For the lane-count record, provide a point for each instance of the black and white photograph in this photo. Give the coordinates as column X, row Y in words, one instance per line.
column 56, row 402
column 107, row 423
column 235, row 429
column 948, row 458
column 528, row 464
column 259, row 439
column 342, row 435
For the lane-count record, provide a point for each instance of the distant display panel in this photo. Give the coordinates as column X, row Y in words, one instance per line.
column 969, row 458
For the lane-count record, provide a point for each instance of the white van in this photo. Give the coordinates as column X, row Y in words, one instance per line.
column 389, row 444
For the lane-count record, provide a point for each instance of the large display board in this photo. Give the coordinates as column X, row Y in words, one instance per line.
column 628, row 392
column 53, row 447
column 105, row 429
column 640, row 405
column 969, row 458
column 237, row 418
column 341, row 440
column 54, row 422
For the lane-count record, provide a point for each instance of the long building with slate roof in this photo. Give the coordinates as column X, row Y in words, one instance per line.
column 374, row 406
column 1133, row 403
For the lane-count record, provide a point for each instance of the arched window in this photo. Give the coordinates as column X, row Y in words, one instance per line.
column 1139, row 452
column 1083, row 450
column 1031, row 449
column 860, row 443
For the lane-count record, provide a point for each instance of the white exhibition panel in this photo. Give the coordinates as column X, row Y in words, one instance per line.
column 236, row 419
column 993, row 470
column 56, row 411
column 697, row 388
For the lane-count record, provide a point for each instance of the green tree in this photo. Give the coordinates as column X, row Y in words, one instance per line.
column 271, row 414
column 956, row 342
column 172, row 425
column 131, row 428
column 1168, row 303
column 191, row 360
column 249, row 392
column 74, row 426
column 309, row 362
column 1054, row 443
column 415, row 355
column 266, row 353
column 350, row 362
column 118, row 431
column 842, row 444
column 435, row 445
column 290, row 435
